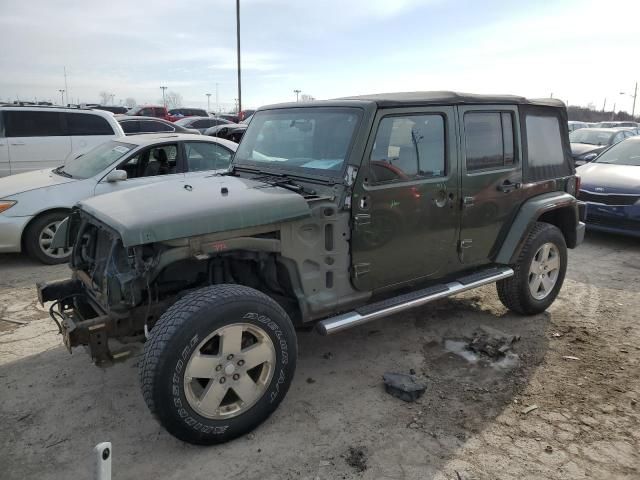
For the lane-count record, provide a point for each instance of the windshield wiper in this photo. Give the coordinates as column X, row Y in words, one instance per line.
column 61, row 172
column 282, row 180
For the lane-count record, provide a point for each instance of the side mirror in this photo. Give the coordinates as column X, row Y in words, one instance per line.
column 116, row 176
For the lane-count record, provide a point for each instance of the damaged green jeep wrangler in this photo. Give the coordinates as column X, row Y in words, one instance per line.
column 333, row 213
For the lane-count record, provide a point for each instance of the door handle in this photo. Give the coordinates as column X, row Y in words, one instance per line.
column 507, row 186
column 17, row 143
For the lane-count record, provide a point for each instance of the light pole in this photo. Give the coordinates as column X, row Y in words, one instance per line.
column 208, row 102
column 217, row 104
column 61, row 96
column 297, row 92
column 164, row 102
column 634, row 96
column 112, row 98
column 238, row 42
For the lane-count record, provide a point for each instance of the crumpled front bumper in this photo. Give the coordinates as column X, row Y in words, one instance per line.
column 92, row 331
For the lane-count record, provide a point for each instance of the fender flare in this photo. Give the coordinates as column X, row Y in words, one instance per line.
column 528, row 215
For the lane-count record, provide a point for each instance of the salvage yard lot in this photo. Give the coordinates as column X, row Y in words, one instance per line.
column 337, row 421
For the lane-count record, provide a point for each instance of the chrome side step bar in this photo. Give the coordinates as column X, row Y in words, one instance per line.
column 411, row 300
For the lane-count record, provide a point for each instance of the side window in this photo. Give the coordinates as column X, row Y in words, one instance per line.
column 151, row 126
column 34, row 124
column 87, row 124
column 489, row 140
column 617, row 138
column 544, row 143
column 146, row 112
column 130, row 126
column 160, row 160
column 159, row 112
column 408, row 147
column 202, row 124
column 206, row 156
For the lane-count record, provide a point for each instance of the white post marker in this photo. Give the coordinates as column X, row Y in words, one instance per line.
column 103, row 453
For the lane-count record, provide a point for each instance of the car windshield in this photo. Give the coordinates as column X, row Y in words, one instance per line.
column 592, row 137
column 312, row 139
column 95, row 160
column 623, row 153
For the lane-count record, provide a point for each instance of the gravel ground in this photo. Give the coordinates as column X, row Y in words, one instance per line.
column 337, row 421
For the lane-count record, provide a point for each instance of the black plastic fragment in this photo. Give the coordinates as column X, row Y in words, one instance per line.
column 403, row 386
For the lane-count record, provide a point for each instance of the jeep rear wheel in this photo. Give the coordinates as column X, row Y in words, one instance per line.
column 218, row 363
column 539, row 272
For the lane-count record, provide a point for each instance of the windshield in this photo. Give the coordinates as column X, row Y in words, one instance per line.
column 310, row 139
column 95, row 160
column 591, row 137
column 623, row 153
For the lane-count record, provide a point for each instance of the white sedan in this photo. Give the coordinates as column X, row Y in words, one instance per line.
column 33, row 204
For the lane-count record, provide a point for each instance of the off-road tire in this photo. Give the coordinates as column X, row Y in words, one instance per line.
column 31, row 239
column 514, row 292
column 176, row 335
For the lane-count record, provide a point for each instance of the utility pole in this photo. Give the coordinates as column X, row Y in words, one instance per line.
column 66, row 88
column 604, row 105
column 112, row 98
column 61, row 96
column 634, row 96
column 217, row 103
column 208, row 102
column 164, row 102
column 238, row 41
column 297, row 92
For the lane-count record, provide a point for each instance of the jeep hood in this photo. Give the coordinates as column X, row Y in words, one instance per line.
column 193, row 206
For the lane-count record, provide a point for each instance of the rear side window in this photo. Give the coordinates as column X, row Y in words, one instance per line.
column 131, row 126
column 202, row 124
column 544, row 143
column 151, row 126
column 408, row 147
column 159, row 112
column 488, row 140
column 206, row 156
column 87, row 124
column 34, row 124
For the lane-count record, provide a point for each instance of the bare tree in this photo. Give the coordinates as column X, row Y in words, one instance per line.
column 105, row 97
column 130, row 102
column 173, row 99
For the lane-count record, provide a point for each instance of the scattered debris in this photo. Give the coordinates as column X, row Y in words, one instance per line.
column 357, row 458
column 570, row 357
column 633, row 402
column 556, row 334
column 624, row 350
column 327, row 356
column 403, row 386
column 458, row 475
column 412, row 371
column 310, row 380
column 324, row 463
column 414, row 425
column 491, row 342
column 548, row 449
column 530, row 408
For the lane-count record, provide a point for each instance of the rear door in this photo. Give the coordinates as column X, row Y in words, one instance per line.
column 37, row 139
column 87, row 130
column 404, row 211
column 5, row 164
column 491, row 178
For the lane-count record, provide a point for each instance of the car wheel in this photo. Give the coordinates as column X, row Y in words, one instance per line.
column 217, row 363
column 539, row 272
column 39, row 235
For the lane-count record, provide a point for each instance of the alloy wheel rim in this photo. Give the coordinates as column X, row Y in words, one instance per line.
column 46, row 237
column 229, row 371
column 544, row 271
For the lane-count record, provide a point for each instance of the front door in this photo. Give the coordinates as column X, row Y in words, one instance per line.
column 404, row 208
column 491, row 178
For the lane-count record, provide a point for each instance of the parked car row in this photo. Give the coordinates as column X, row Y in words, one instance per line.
column 33, row 204
column 588, row 143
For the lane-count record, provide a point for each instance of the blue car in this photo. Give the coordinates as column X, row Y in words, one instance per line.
column 610, row 186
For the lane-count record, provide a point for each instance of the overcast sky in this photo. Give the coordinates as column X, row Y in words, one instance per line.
column 581, row 51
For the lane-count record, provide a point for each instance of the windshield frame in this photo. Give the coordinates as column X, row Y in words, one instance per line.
column 328, row 175
column 114, row 143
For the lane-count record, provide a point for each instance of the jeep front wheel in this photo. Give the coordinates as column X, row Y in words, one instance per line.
column 538, row 273
column 218, row 363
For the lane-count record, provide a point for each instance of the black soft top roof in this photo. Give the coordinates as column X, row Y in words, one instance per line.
column 417, row 99
column 444, row 97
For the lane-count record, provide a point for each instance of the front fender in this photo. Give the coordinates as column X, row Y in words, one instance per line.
column 530, row 212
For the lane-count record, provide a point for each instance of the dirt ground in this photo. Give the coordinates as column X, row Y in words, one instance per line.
column 337, row 421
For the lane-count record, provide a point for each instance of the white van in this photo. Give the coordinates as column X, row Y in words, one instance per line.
column 32, row 138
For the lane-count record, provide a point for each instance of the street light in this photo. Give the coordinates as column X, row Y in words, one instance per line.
column 297, row 92
column 61, row 96
column 164, row 102
column 634, row 96
column 208, row 98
